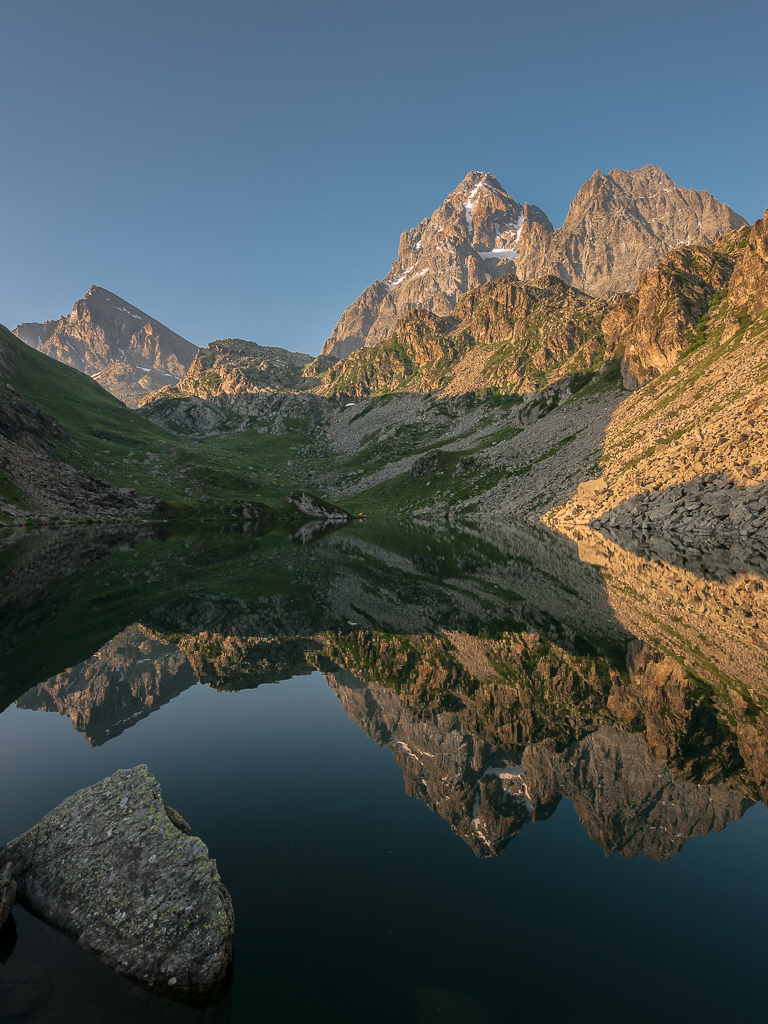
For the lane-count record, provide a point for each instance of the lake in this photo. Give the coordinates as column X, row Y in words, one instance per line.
column 478, row 773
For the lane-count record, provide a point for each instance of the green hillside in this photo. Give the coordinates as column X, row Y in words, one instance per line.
column 200, row 478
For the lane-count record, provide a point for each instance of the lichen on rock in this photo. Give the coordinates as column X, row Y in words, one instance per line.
column 109, row 867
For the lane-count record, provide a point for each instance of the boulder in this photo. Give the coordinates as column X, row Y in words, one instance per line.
column 590, row 490
column 7, row 893
column 318, row 508
column 111, row 868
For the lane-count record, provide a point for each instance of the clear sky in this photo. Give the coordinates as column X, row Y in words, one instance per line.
column 244, row 169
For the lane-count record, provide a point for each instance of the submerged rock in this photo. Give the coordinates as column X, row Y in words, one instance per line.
column 110, row 867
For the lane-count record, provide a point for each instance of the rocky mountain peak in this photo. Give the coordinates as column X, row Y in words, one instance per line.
column 618, row 225
column 119, row 345
column 471, row 238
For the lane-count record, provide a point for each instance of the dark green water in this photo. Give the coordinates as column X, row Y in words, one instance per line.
column 445, row 776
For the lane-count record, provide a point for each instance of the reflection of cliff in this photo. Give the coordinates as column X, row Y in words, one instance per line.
column 626, row 801
column 471, row 784
column 243, row 663
column 707, row 612
column 127, row 679
column 521, row 689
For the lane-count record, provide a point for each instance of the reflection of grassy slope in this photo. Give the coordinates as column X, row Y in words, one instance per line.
column 443, row 578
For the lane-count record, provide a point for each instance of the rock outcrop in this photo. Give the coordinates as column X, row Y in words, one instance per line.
column 7, row 893
column 318, row 508
column 618, row 225
column 126, row 350
column 109, row 867
column 518, row 336
column 472, row 237
column 667, row 312
column 748, row 287
column 233, row 366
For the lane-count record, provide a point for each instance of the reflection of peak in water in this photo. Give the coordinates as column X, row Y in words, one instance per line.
column 123, row 682
column 627, row 801
column 139, row 671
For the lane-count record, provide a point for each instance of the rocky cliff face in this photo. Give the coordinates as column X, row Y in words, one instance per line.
column 473, row 236
column 618, row 225
column 126, row 350
column 508, row 334
column 665, row 315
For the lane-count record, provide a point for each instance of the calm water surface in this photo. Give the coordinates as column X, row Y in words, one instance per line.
column 446, row 775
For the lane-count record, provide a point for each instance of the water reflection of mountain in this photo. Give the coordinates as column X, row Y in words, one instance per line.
column 491, row 733
column 123, row 682
column 626, row 801
column 529, row 666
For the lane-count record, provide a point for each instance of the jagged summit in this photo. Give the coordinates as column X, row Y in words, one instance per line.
column 471, row 238
column 121, row 346
column 618, row 225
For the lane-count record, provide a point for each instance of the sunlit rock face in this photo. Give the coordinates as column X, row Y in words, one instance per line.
column 618, row 225
column 472, row 237
column 126, row 350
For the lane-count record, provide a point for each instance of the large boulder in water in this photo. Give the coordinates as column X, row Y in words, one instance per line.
column 109, row 867
column 7, row 893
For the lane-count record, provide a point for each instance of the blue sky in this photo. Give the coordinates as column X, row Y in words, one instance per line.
column 245, row 170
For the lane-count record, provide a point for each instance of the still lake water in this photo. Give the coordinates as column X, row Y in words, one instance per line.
column 448, row 775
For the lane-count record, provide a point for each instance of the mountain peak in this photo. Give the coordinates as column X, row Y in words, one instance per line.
column 114, row 342
column 472, row 237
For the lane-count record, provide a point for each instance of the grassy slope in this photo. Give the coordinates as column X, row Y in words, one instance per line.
column 121, row 446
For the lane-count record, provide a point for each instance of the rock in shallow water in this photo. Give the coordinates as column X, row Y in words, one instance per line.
column 7, row 893
column 109, row 867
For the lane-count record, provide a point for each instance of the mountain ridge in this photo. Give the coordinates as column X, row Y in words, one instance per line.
column 618, row 225
column 127, row 351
